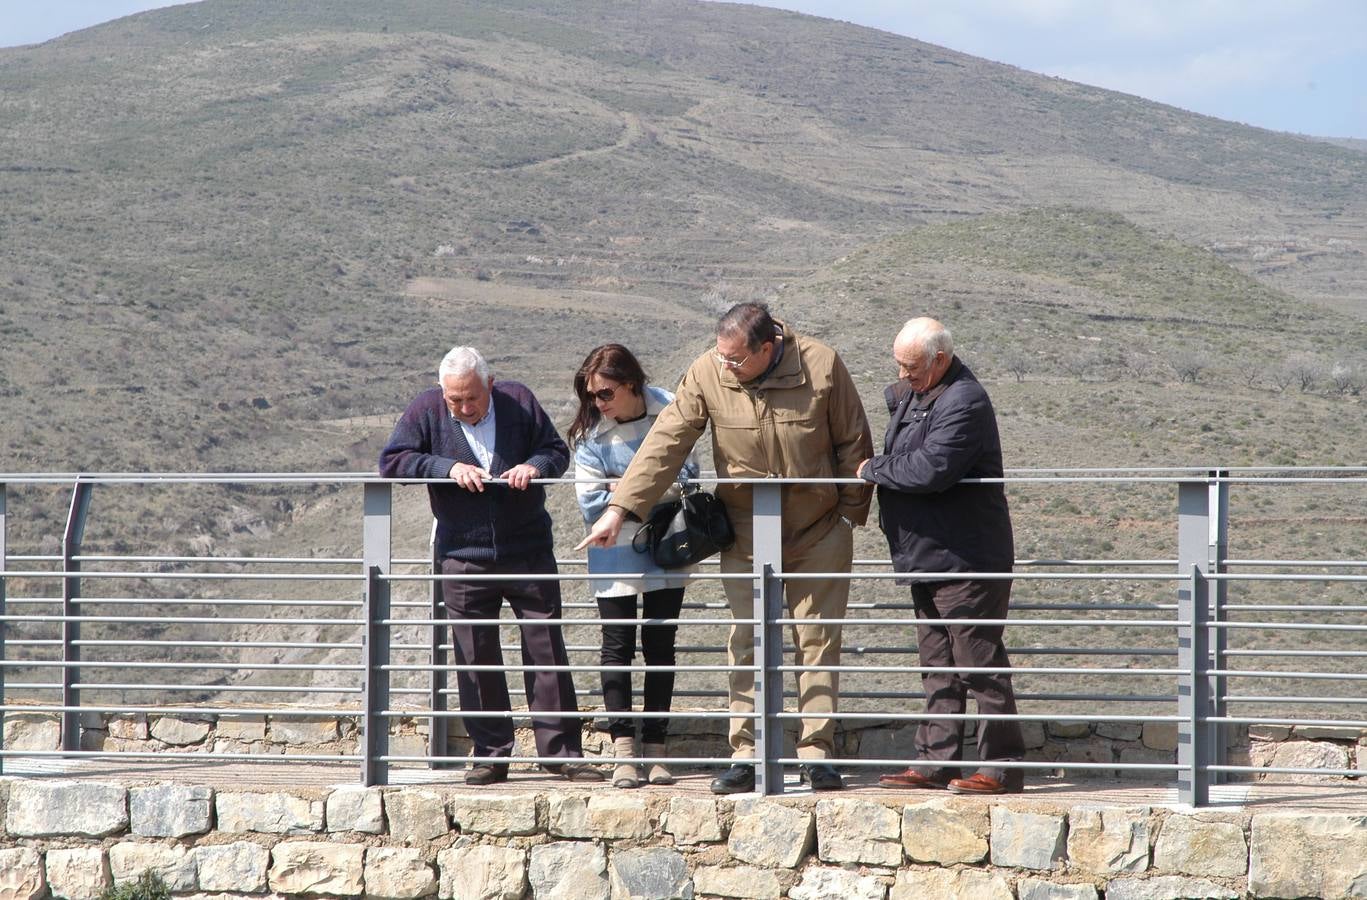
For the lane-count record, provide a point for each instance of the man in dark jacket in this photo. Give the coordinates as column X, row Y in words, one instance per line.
column 471, row 431
column 943, row 430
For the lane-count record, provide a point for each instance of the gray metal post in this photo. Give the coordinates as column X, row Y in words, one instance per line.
column 768, row 556
column 3, row 555
column 377, row 560
column 71, row 629
column 1217, row 492
column 1193, row 643
column 437, row 729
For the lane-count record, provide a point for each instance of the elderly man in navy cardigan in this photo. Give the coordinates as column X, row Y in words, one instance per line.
column 472, row 430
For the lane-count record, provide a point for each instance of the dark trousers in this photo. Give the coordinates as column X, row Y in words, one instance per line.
column 542, row 645
column 657, row 646
column 947, row 692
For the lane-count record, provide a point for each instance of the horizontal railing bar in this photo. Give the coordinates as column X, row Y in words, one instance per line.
column 1327, row 701
column 1288, row 770
column 989, row 717
column 510, row 667
column 1326, row 563
column 185, row 601
column 182, row 756
column 1100, row 623
column 274, row 645
column 1290, row 607
column 1322, row 723
column 1238, row 673
column 1313, row 653
column 219, row 688
column 244, row 560
column 187, row 620
column 1279, row 576
column 134, row 664
column 1287, row 626
column 187, row 710
column 215, row 576
column 564, row 621
column 982, row 670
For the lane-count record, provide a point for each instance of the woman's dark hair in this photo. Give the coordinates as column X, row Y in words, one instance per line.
column 611, row 361
column 750, row 321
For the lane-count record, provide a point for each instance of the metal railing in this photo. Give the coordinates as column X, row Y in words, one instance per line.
column 379, row 668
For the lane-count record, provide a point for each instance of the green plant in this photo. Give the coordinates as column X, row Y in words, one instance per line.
column 149, row 886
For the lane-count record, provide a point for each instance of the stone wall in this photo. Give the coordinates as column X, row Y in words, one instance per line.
column 1312, row 747
column 72, row 839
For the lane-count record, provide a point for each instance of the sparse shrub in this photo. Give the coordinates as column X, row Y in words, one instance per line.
column 1018, row 364
column 1188, row 367
column 1304, row 373
column 1345, row 378
column 149, row 886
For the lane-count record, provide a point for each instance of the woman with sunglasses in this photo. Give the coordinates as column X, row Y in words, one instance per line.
column 616, row 411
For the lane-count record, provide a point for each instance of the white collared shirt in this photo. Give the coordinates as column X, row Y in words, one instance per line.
column 480, row 437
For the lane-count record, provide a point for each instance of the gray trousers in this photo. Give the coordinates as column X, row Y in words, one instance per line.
column 542, row 645
column 947, row 692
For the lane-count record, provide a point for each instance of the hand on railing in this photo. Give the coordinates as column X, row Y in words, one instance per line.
column 604, row 532
column 470, row 477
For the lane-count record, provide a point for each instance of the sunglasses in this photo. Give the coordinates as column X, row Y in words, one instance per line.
column 604, row 395
column 728, row 362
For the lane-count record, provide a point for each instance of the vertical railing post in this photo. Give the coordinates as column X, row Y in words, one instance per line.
column 768, row 559
column 1193, row 643
column 71, row 608
column 437, row 730
column 1217, row 554
column 4, row 554
column 376, row 561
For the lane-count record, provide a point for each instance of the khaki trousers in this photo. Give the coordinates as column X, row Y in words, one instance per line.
column 822, row 601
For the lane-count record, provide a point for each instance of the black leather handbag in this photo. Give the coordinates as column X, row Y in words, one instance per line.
column 682, row 532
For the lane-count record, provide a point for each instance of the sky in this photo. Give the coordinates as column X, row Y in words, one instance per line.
column 1298, row 66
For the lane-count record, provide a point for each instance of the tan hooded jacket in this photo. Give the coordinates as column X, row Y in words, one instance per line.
column 803, row 420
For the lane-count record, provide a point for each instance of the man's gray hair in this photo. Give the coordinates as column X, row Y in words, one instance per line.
column 462, row 361
column 929, row 336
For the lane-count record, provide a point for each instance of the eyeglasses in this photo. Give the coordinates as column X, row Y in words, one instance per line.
column 728, row 362
column 604, row 395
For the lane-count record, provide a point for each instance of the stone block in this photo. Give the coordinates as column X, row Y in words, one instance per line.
column 1087, row 750
column 21, row 874
column 1027, row 840
column 180, row 731
column 1069, row 730
column 1034, row 735
column 81, row 873
column 32, row 731
column 1308, row 855
column 1120, row 731
column 51, row 808
column 238, row 867
column 303, row 729
column 569, row 870
column 771, row 834
column 887, row 743
column 175, row 865
column 398, row 872
column 128, row 727
column 1327, row 733
column 256, row 748
column 355, row 809
column 693, row 821
column 416, row 815
column 311, row 867
column 1191, row 846
column 1039, row 889
column 1160, row 736
column 482, row 872
column 650, row 873
column 949, row 884
column 605, row 816
column 938, row 831
column 858, row 831
column 1168, row 887
column 273, row 813
column 168, row 810
column 496, row 815
column 820, row 883
column 1106, row 841
column 1272, row 733
column 241, row 728
column 745, row 882
column 1308, row 755
column 1143, row 755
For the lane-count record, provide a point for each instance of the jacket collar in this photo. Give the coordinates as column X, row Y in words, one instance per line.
column 787, row 374
column 656, row 401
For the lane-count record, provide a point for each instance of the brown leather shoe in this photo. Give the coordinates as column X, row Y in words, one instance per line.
column 576, row 771
column 483, row 774
column 979, row 784
column 910, row 778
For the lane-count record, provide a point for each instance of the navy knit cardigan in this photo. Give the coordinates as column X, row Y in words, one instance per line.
column 500, row 523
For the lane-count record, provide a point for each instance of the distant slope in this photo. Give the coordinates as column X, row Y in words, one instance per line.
column 216, row 217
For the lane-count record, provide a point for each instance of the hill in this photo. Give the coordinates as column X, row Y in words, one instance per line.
column 239, row 235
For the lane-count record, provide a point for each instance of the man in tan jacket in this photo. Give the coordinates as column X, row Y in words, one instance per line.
column 781, row 405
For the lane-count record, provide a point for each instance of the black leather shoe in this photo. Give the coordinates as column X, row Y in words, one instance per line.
column 485, row 774
column 822, row 777
column 735, row 780
column 576, row 771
